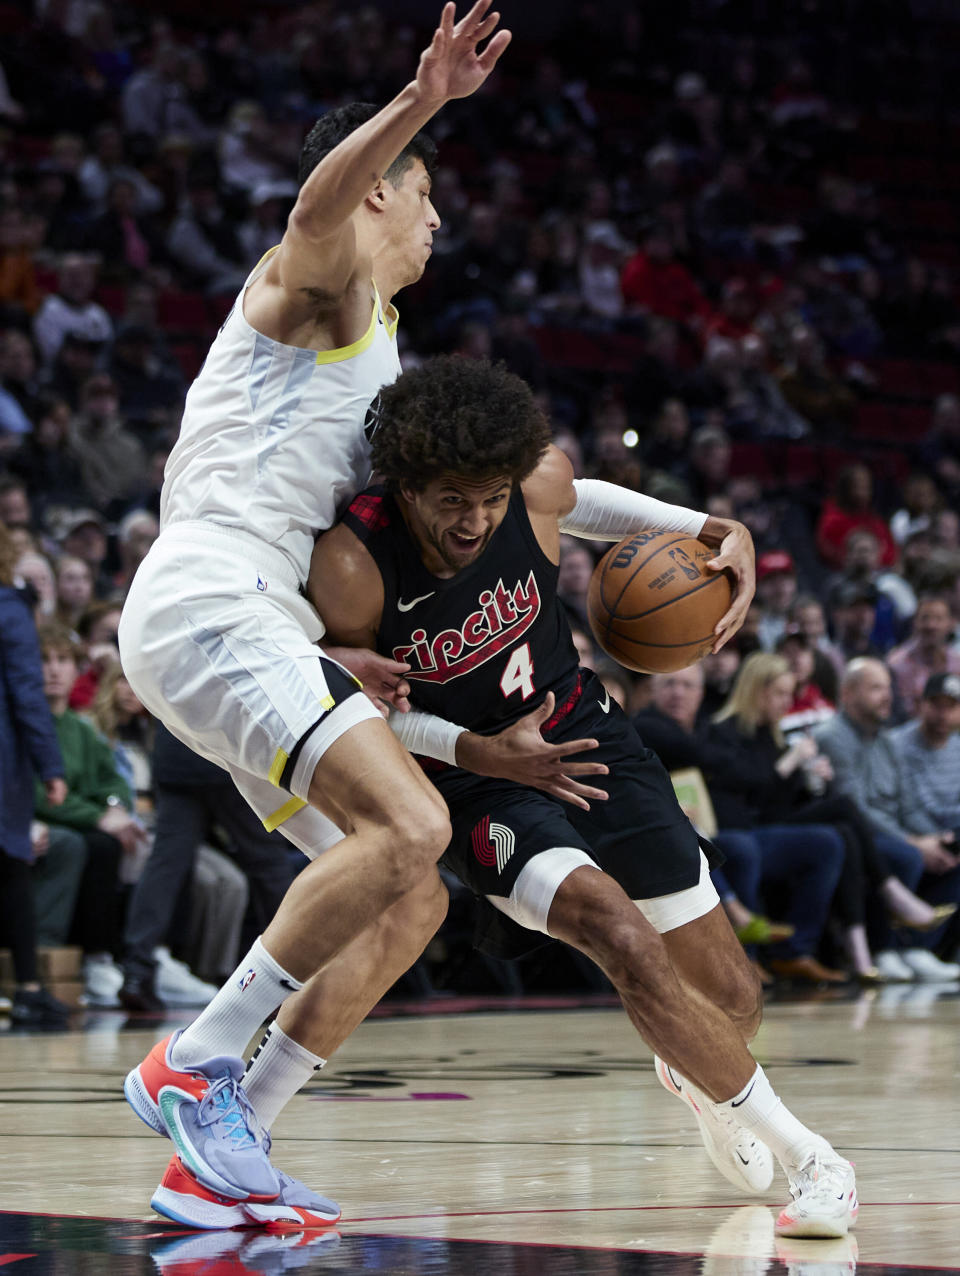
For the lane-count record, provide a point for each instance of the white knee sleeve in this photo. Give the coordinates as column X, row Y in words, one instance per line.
column 529, row 902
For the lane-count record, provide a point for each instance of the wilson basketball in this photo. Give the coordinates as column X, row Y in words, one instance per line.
column 652, row 604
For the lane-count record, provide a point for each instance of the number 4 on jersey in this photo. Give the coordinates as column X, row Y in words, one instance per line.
column 518, row 675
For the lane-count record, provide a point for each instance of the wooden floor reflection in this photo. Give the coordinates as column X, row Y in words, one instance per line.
column 536, row 1141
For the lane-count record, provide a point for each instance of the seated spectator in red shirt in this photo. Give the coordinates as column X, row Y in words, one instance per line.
column 654, row 281
column 851, row 506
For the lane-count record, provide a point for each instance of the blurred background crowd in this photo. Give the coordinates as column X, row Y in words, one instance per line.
column 718, row 237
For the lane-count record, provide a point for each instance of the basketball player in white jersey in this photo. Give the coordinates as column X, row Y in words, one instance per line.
column 220, row 643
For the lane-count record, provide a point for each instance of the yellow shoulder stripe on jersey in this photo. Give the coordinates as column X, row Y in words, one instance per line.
column 268, row 253
column 283, row 814
column 347, row 352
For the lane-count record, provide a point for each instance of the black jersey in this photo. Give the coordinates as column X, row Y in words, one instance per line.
column 484, row 646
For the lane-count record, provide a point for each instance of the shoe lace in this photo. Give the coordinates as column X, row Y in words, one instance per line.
column 819, row 1171
column 226, row 1103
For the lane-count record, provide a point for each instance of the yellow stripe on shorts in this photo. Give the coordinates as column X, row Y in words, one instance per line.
column 276, row 771
column 283, row 814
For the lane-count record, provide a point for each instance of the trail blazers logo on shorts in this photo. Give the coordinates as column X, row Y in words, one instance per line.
column 492, row 843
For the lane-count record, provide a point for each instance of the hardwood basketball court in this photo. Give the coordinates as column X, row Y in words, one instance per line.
column 483, row 1140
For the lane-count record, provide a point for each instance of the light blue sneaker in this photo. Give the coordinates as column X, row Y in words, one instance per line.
column 205, row 1111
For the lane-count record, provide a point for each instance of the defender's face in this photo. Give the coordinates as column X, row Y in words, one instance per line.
column 413, row 220
column 453, row 519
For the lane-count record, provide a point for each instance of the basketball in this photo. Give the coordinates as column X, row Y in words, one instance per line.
column 652, row 604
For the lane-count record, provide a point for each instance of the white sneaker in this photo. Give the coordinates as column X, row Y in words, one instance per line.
column 6, row 1005
column 177, row 985
column 739, row 1155
column 824, row 1191
column 892, row 966
column 102, row 980
column 928, row 967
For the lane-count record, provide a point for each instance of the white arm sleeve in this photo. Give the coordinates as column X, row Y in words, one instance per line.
column 606, row 512
column 427, row 735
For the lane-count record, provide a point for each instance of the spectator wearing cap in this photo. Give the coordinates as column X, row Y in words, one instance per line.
column 71, row 309
column 84, row 534
column 111, row 460
column 851, row 506
column 776, row 592
column 928, row 651
column 853, row 614
column 866, row 766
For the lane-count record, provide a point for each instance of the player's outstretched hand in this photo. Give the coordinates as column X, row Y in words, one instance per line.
column 520, row 753
column 450, row 67
column 737, row 557
column 382, row 679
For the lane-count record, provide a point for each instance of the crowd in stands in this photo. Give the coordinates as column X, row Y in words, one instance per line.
column 722, row 247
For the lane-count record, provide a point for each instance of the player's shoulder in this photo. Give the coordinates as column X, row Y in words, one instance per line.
column 549, row 489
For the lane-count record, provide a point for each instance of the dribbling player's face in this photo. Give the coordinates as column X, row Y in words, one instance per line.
column 413, row 221
column 453, row 518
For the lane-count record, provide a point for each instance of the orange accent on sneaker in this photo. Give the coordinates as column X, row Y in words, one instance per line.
column 155, row 1073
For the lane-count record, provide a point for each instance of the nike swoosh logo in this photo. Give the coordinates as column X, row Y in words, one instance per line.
column 285, row 983
column 741, row 1159
column 735, row 1103
column 605, row 702
column 402, row 606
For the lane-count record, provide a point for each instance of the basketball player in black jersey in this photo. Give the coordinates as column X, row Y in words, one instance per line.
column 451, row 567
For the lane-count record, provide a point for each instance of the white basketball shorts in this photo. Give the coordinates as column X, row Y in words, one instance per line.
column 220, row 645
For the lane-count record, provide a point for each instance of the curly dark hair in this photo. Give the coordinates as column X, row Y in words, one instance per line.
column 456, row 415
column 330, row 130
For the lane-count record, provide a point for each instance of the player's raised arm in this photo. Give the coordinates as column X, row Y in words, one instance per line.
column 319, row 248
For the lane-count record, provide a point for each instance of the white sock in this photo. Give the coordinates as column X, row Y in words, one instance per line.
column 251, row 995
column 279, row 1068
column 759, row 1109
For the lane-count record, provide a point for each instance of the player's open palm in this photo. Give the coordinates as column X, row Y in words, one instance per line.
column 520, row 753
column 450, row 67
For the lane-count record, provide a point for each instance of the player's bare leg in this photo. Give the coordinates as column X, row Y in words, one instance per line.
column 315, row 1021
column 699, row 1040
column 591, row 912
column 707, row 955
column 397, row 827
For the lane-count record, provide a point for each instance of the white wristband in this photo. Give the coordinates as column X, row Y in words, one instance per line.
column 607, row 512
column 427, row 735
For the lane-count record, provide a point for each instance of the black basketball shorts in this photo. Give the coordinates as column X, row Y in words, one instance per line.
column 639, row 835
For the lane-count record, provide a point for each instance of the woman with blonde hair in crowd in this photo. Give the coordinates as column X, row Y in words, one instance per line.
column 786, row 794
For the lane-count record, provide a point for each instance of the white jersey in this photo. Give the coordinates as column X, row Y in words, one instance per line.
column 272, row 440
